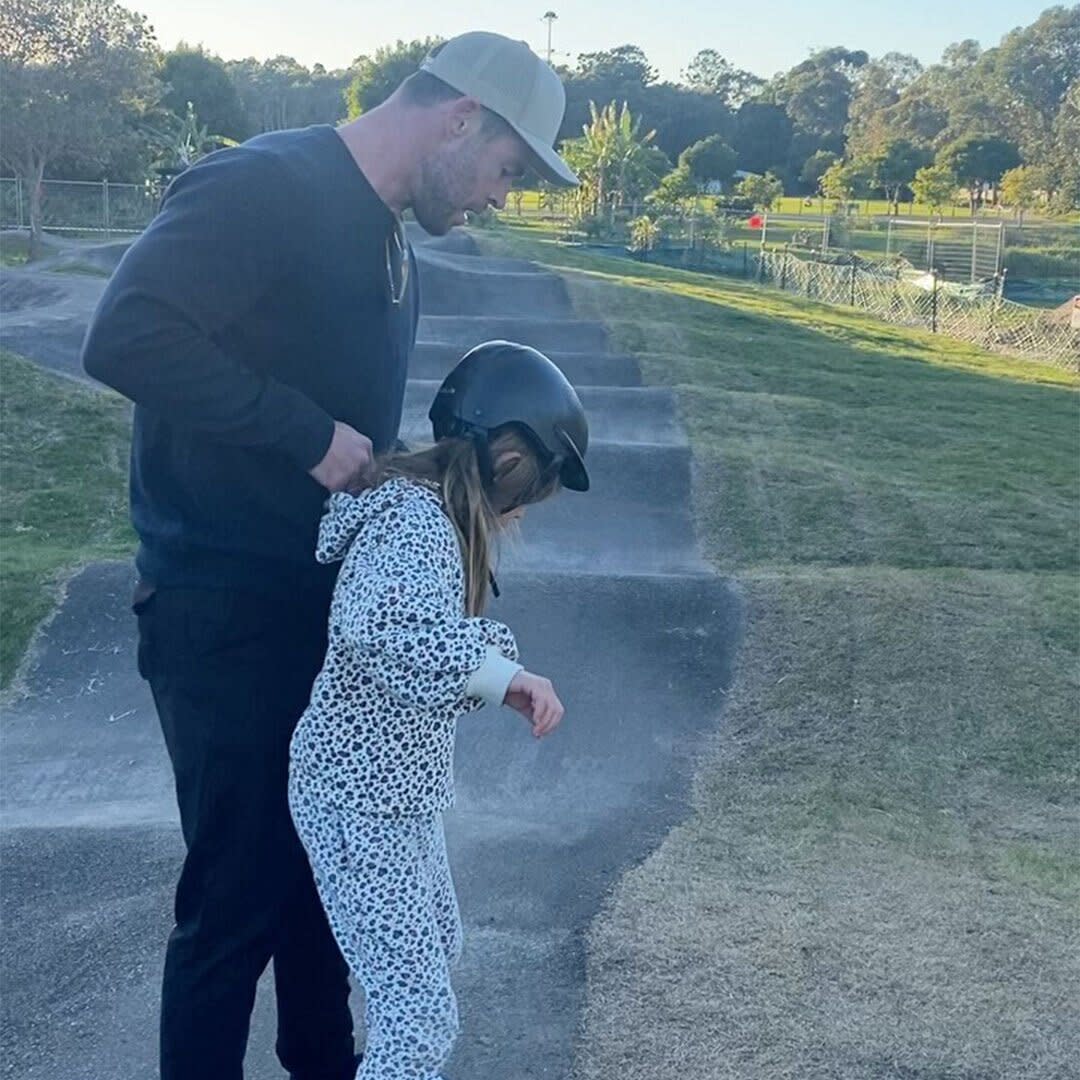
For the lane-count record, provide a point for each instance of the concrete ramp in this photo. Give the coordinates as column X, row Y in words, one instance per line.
column 433, row 361
column 609, row 597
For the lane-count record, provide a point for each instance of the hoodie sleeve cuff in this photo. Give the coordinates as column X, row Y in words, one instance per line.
column 492, row 679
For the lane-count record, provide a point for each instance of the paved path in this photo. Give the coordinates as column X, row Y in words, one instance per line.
column 609, row 596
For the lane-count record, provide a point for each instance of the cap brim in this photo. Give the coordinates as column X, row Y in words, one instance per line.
column 548, row 165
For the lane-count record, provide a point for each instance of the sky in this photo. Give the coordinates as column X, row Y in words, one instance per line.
column 763, row 36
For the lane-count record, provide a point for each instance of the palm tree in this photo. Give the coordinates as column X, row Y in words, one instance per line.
column 612, row 158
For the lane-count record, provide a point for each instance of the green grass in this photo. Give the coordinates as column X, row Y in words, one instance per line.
column 14, row 248
column 880, row 869
column 63, row 472
column 1041, row 263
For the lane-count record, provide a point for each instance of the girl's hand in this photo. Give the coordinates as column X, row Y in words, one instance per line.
column 534, row 697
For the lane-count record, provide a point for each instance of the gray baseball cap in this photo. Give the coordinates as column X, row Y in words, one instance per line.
column 508, row 78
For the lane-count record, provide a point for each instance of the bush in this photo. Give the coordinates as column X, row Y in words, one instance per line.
column 644, row 233
column 591, row 226
column 1043, row 263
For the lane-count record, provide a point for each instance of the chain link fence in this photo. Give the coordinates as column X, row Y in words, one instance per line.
column 923, row 300
column 80, row 207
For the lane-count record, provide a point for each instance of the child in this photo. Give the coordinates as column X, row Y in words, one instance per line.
column 371, row 758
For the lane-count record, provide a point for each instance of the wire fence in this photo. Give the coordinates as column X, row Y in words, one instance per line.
column 82, row 207
column 911, row 298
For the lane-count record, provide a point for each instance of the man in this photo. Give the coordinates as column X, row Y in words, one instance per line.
column 262, row 326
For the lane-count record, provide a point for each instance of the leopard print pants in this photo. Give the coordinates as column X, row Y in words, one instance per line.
column 385, row 884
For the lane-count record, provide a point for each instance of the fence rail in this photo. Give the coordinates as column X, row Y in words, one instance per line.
column 90, row 207
column 986, row 320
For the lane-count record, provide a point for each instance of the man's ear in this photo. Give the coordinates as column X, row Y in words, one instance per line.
column 463, row 116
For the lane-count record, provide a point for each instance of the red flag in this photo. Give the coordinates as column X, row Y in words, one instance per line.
column 757, row 222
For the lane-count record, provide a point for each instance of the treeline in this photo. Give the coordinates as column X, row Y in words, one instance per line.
column 88, row 94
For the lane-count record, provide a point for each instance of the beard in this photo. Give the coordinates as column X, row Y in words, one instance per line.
column 442, row 193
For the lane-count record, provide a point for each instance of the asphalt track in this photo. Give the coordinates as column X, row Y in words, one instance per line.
column 609, row 597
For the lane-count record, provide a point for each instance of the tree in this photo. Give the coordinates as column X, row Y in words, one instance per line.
column 376, row 77
column 844, row 181
column 708, row 160
column 676, row 189
column 77, row 74
column 1029, row 75
column 894, row 167
column 709, row 73
column 681, row 117
column 935, row 186
column 623, row 64
column 815, row 168
column 191, row 76
column 182, row 142
column 1021, row 188
column 764, row 190
column 644, row 234
column 282, row 93
column 816, row 94
column 1063, row 165
column 877, row 89
column 978, row 161
column 613, row 159
column 762, row 136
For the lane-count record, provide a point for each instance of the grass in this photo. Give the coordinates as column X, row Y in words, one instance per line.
column 63, row 473
column 796, row 204
column 1039, row 263
column 14, row 248
column 879, row 876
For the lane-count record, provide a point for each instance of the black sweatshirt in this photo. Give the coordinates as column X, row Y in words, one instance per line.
column 253, row 312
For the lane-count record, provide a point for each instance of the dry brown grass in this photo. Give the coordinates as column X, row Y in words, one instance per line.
column 861, row 892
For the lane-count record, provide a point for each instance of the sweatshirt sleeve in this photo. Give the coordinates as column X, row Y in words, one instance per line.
column 401, row 616
column 225, row 234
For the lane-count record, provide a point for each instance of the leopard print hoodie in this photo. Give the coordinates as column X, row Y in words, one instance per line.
column 403, row 660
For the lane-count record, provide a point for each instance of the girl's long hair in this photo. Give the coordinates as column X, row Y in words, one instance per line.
column 520, row 478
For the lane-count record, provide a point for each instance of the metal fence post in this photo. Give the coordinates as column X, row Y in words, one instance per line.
column 783, row 270
column 105, row 207
column 933, row 303
column 853, row 273
column 19, row 201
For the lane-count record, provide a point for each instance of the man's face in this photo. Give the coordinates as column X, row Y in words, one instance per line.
column 467, row 173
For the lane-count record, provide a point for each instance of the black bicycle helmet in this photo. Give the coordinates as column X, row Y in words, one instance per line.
column 502, row 383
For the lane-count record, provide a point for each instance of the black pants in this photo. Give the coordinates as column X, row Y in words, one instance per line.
column 231, row 672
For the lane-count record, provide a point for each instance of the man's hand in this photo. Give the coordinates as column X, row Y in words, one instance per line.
column 534, row 697
column 347, row 462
